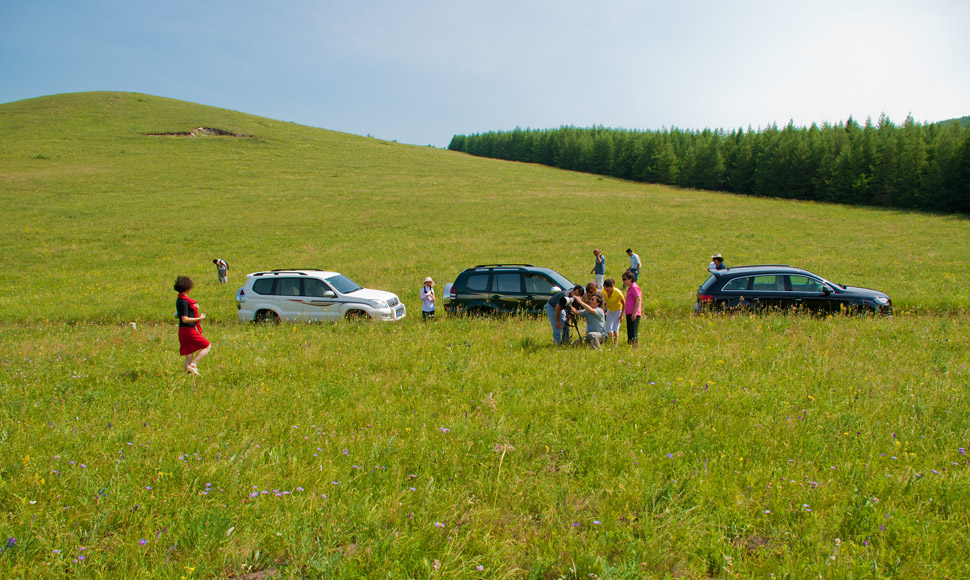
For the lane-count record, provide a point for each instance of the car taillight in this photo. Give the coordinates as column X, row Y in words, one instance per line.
column 705, row 297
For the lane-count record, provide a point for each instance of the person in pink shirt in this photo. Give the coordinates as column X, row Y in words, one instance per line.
column 631, row 307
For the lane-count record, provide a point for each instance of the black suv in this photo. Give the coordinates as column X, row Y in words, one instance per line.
column 503, row 288
column 784, row 287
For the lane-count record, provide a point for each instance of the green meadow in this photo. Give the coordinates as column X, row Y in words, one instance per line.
column 769, row 446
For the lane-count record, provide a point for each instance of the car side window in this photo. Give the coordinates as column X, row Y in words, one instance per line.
column 804, row 284
column 314, row 287
column 507, row 283
column 739, row 284
column 263, row 286
column 768, row 283
column 288, row 287
column 477, row 282
column 537, row 284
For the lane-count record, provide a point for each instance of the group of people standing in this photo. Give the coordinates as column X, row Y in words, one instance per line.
column 601, row 304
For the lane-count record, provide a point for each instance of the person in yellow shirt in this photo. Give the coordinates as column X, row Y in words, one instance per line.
column 614, row 309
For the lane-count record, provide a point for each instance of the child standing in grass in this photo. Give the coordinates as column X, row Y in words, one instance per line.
column 427, row 299
column 192, row 345
column 614, row 309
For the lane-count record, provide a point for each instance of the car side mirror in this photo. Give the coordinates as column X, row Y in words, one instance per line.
column 329, row 294
column 556, row 289
column 826, row 290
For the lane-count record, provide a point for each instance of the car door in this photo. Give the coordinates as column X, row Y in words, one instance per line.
column 768, row 292
column 809, row 293
column 538, row 290
column 474, row 294
column 507, row 294
column 319, row 301
column 289, row 298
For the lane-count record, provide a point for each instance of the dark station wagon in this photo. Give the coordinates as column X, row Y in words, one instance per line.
column 775, row 287
column 503, row 289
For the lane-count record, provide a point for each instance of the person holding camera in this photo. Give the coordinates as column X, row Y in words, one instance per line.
column 557, row 309
column 595, row 318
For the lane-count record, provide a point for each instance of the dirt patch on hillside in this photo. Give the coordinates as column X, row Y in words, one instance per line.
column 202, row 132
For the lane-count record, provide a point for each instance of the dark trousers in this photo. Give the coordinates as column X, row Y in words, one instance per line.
column 427, row 315
column 632, row 329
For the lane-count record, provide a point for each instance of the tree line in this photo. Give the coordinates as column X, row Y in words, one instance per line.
column 913, row 166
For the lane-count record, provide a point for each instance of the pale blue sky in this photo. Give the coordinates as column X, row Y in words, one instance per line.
column 421, row 72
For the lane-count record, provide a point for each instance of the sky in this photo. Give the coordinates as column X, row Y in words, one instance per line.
column 420, row 72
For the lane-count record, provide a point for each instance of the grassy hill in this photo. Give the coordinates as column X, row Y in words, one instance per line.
column 723, row 447
column 106, row 215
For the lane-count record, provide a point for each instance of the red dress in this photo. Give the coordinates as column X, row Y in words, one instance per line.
column 190, row 334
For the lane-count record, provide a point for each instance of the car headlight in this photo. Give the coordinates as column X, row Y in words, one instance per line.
column 380, row 304
column 882, row 300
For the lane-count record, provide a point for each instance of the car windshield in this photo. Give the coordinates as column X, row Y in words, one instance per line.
column 343, row 284
column 559, row 279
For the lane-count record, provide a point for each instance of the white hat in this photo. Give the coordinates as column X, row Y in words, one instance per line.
column 428, row 279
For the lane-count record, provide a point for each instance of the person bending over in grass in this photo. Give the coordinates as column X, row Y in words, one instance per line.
column 557, row 313
column 613, row 298
column 192, row 345
column 222, row 268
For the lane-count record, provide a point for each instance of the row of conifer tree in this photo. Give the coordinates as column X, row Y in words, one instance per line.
column 914, row 166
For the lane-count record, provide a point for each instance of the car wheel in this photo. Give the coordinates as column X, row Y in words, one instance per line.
column 478, row 312
column 267, row 317
column 743, row 307
column 356, row 315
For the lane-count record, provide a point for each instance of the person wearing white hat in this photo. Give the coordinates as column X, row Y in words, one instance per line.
column 427, row 299
column 717, row 263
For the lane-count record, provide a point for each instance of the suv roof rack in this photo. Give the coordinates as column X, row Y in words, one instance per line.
column 762, row 266
column 504, row 265
column 295, row 270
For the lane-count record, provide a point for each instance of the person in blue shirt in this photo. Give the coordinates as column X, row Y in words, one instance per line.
column 558, row 312
column 599, row 268
column 717, row 263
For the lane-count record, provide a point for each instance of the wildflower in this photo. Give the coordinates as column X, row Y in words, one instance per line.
column 669, row 456
column 11, row 542
column 142, row 542
column 444, row 429
column 439, row 525
column 479, row 567
column 597, row 522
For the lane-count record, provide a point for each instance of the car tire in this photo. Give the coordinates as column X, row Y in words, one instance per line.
column 478, row 312
column 743, row 307
column 266, row 317
column 356, row 315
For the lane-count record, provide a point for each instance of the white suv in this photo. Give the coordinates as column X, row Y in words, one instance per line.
column 311, row 296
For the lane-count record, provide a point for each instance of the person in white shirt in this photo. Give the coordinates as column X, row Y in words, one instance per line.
column 634, row 264
column 427, row 299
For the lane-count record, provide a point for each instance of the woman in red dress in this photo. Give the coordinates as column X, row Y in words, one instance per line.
column 192, row 345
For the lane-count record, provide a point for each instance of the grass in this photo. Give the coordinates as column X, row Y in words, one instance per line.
column 723, row 447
